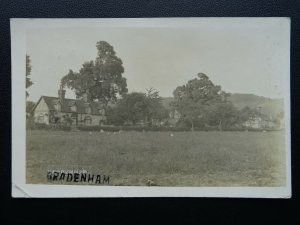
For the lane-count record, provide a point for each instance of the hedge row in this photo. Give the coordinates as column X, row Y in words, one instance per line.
column 41, row 126
column 132, row 128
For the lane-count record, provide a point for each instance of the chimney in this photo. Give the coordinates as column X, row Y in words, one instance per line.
column 61, row 93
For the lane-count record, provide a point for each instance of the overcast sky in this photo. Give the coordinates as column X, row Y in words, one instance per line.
column 242, row 57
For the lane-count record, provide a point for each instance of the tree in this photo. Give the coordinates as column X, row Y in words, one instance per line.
column 222, row 114
column 155, row 110
column 100, row 79
column 28, row 71
column 131, row 108
column 202, row 102
column 246, row 113
column 115, row 116
column 136, row 107
column 29, row 106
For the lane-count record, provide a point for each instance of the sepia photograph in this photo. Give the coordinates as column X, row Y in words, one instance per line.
column 156, row 104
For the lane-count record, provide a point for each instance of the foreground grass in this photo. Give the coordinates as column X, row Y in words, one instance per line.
column 186, row 159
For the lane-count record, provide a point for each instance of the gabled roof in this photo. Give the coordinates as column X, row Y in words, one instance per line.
column 66, row 105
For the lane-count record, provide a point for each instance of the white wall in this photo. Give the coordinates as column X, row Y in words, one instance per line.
column 41, row 113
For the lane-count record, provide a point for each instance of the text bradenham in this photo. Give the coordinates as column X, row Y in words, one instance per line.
column 77, row 177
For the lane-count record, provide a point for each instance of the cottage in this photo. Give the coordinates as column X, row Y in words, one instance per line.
column 53, row 110
column 259, row 123
column 254, row 122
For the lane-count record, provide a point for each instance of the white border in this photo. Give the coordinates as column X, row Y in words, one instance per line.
column 19, row 186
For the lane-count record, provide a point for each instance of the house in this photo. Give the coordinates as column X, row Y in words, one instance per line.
column 254, row 122
column 259, row 123
column 55, row 110
column 174, row 114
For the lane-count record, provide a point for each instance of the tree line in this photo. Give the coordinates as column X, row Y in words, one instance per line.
column 199, row 102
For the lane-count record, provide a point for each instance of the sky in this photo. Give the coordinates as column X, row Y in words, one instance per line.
column 248, row 56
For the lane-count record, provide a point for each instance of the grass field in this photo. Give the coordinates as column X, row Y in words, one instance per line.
column 186, row 159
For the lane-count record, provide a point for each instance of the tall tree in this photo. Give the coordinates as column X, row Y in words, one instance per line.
column 101, row 79
column 28, row 71
column 201, row 101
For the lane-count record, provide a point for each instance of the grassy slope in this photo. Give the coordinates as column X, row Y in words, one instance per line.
column 187, row 159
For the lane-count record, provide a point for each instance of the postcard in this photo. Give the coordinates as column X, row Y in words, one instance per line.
column 151, row 107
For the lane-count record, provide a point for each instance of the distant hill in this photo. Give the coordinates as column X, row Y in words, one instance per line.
column 268, row 105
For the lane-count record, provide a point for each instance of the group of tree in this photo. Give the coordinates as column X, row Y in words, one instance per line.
column 202, row 103
column 103, row 81
column 136, row 107
column 199, row 102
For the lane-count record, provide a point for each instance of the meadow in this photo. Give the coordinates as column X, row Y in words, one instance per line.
column 166, row 159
